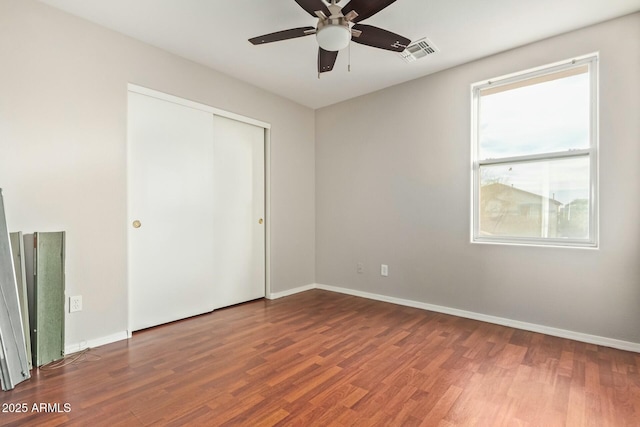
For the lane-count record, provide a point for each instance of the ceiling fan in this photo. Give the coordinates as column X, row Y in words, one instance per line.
column 335, row 30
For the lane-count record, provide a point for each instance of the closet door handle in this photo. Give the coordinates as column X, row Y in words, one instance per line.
column 136, row 224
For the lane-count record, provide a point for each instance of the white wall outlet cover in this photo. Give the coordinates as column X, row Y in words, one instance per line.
column 75, row 303
column 384, row 270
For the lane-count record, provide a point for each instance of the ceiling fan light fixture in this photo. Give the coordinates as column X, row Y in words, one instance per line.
column 333, row 37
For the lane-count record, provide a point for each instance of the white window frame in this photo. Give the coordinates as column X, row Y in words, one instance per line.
column 591, row 61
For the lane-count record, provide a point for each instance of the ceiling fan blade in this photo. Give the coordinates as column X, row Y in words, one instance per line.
column 382, row 39
column 312, row 5
column 326, row 60
column 365, row 8
column 283, row 35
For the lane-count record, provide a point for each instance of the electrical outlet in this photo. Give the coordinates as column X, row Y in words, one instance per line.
column 360, row 268
column 384, row 270
column 75, row 303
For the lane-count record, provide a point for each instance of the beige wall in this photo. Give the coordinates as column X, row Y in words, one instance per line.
column 63, row 112
column 393, row 187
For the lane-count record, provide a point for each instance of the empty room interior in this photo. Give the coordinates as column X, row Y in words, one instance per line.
column 310, row 212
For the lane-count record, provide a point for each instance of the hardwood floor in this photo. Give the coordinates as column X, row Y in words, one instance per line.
column 320, row 358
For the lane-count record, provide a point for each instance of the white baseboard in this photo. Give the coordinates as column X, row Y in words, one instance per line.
column 74, row 348
column 562, row 333
column 276, row 295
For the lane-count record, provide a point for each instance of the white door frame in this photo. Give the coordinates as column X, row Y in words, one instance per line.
column 267, row 179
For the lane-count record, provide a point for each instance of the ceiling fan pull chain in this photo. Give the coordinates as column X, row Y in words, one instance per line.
column 349, row 67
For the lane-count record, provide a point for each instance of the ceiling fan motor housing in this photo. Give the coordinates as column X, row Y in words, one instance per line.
column 333, row 33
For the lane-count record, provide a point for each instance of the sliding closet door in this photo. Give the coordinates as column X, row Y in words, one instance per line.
column 196, row 210
column 171, row 211
column 239, row 229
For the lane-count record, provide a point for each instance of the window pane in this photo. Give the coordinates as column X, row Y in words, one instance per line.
column 543, row 199
column 547, row 115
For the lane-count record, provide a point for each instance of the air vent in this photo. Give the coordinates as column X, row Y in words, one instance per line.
column 418, row 49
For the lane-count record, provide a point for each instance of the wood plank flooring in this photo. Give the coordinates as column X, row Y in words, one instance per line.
column 320, row 358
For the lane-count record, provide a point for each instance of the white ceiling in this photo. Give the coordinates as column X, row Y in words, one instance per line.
column 215, row 33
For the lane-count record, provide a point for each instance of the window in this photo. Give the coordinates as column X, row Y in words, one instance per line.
column 535, row 156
